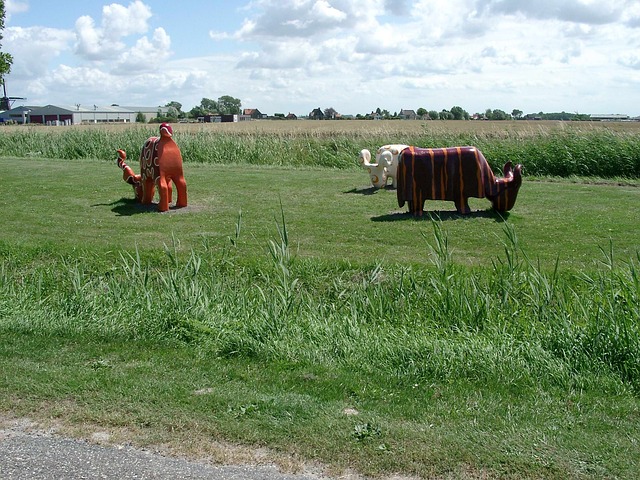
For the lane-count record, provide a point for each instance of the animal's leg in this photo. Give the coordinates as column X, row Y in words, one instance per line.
column 181, row 187
column 462, row 206
column 148, row 191
column 163, row 190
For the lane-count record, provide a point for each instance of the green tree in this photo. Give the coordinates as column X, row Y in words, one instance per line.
column 228, row 105
column 421, row 112
column 6, row 60
column 140, row 118
column 206, row 107
column 446, row 115
column 434, row 115
column 177, row 106
column 459, row 113
column 209, row 106
column 330, row 113
column 517, row 114
column 499, row 115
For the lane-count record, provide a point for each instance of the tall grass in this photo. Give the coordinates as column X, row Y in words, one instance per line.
column 578, row 149
column 516, row 325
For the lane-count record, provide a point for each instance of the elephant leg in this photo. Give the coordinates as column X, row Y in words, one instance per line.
column 181, row 187
column 163, row 190
column 148, row 191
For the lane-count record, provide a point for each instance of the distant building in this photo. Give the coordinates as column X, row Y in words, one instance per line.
column 407, row 114
column 316, row 114
column 77, row 114
column 149, row 112
column 291, row 116
column 17, row 114
column 253, row 113
column 610, row 118
column 223, row 118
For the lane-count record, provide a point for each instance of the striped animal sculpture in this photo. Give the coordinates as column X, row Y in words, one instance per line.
column 160, row 165
column 386, row 165
column 453, row 174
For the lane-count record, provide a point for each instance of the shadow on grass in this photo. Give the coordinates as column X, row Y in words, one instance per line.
column 443, row 215
column 125, row 207
column 370, row 190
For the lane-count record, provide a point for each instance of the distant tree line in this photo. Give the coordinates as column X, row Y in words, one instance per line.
column 227, row 104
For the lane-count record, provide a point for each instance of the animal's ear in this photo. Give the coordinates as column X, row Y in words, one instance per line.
column 122, row 154
column 507, row 169
column 517, row 172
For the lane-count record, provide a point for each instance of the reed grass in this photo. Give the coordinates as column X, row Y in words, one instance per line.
column 545, row 149
column 516, row 324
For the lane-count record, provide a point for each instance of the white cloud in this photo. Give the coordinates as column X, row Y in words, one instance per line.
column 106, row 42
column 12, row 7
column 145, row 55
column 593, row 12
column 34, row 48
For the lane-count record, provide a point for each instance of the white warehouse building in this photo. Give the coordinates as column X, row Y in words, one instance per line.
column 78, row 114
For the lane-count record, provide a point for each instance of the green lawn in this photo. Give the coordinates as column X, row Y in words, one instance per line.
column 298, row 311
column 331, row 214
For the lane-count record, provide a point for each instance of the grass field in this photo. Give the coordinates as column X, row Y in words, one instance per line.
column 545, row 148
column 295, row 309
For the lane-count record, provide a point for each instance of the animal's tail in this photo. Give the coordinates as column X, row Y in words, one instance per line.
column 128, row 175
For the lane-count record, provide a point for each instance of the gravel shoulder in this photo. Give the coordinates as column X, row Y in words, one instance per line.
column 30, row 452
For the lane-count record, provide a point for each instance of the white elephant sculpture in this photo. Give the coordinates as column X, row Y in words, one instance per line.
column 386, row 165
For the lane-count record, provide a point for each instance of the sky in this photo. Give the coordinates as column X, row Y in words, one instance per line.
column 291, row 56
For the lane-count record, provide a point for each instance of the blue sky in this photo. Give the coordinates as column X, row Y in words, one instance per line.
column 284, row 56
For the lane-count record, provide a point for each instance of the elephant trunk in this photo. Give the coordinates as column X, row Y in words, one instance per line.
column 365, row 158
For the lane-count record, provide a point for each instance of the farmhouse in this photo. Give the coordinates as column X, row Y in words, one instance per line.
column 316, row 114
column 253, row 113
column 407, row 114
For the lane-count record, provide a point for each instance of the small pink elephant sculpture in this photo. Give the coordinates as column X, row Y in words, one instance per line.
column 160, row 165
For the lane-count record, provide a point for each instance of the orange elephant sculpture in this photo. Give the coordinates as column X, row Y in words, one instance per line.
column 160, row 166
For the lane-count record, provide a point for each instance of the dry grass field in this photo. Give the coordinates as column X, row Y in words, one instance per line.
column 498, row 129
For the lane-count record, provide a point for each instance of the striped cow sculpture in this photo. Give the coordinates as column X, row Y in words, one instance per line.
column 453, row 174
column 160, row 165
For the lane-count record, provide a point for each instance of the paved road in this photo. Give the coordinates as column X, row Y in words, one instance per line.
column 37, row 455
